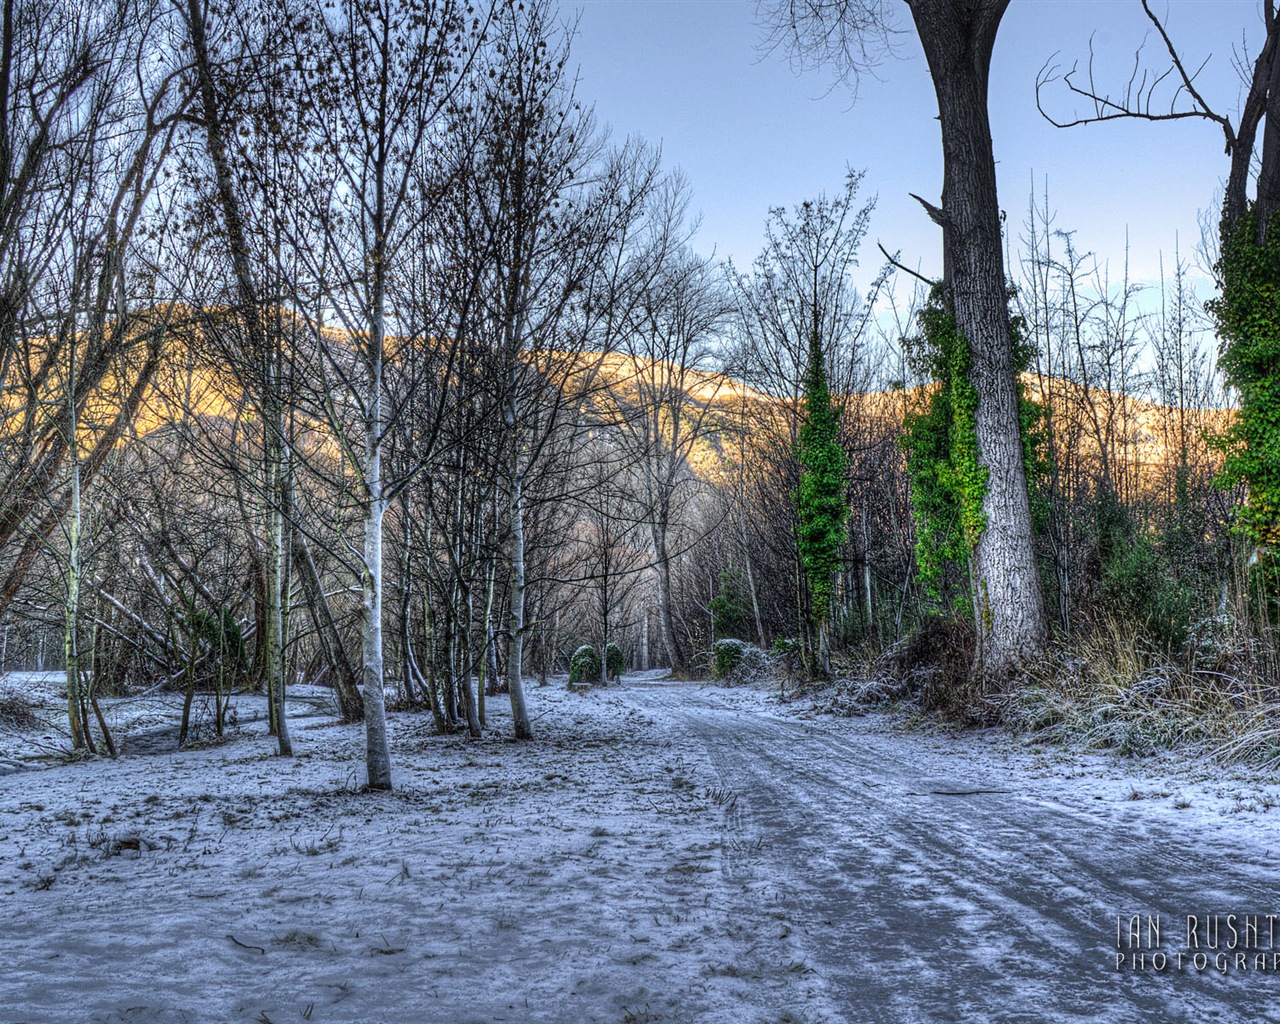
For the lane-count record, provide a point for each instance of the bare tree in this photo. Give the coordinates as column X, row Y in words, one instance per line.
column 1170, row 93
column 801, row 290
column 379, row 79
column 551, row 217
column 1245, row 320
column 87, row 115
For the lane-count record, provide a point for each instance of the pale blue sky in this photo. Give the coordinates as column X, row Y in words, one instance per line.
column 751, row 134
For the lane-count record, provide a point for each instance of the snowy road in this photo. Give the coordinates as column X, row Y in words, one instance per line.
column 660, row 854
column 936, row 889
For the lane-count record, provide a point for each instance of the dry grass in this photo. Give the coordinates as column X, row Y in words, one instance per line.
column 1108, row 689
column 1112, row 689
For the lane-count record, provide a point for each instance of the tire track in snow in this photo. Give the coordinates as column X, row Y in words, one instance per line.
column 935, row 908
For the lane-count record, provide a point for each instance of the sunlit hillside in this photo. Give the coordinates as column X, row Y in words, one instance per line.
column 1143, row 441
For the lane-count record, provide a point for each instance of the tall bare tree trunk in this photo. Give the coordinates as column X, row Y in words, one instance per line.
column 377, row 749
column 470, row 706
column 515, row 639
column 755, row 599
column 958, row 39
column 71, row 648
column 666, row 618
column 866, row 568
column 490, row 640
column 250, row 312
column 275, row 586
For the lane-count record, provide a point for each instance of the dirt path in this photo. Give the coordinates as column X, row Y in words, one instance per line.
column 923, row 900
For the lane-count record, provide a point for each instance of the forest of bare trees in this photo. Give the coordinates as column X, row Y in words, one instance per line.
column 342, row 345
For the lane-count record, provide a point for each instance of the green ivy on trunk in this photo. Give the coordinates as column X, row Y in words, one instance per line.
column 948, row 481
column 821, row 498
column 1247, row 314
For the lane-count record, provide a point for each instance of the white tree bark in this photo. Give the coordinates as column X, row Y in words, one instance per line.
column 71, row 648
column 515, row 648
column 275, row 639
column 377, row 749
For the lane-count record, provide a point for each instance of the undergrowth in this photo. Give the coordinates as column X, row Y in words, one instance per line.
column 17, row 712
column 1113, row 689
column 1108, row 688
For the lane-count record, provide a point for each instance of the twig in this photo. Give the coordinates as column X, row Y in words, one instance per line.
column 904, row 268
column 243, row 945
column 959, row 792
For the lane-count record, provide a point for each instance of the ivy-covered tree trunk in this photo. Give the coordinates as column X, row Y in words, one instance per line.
column 958, row 39
column 948, row 481
column 1247, row 316
column 820, row 499
column 1246, row 312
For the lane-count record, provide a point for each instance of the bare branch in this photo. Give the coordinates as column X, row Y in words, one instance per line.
column 848, row 38
column 905, row 269
column 1141, row 96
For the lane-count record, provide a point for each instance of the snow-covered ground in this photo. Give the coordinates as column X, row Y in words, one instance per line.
column 660, row 853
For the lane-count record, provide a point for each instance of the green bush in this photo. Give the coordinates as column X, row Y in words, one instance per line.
column 727, row 653
column 786, row 659
column 739, row 663
column 584, row 665
column 731, row 606
column 1140, row 584
column 615, row 662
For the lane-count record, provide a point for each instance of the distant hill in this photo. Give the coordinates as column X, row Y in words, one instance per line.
column 1143, row 441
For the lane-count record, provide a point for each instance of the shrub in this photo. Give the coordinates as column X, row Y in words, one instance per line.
column 615, row 662
column 752, row 667
column 726, row 654
column 584, row 665
column 739, row 663
column 936, row 664
column 1139, row 583
column 785, row 659
column 785, row 645
column 731, row 606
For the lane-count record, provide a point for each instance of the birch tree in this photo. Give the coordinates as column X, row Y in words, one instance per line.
column 379, row 77
column 552, row 217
